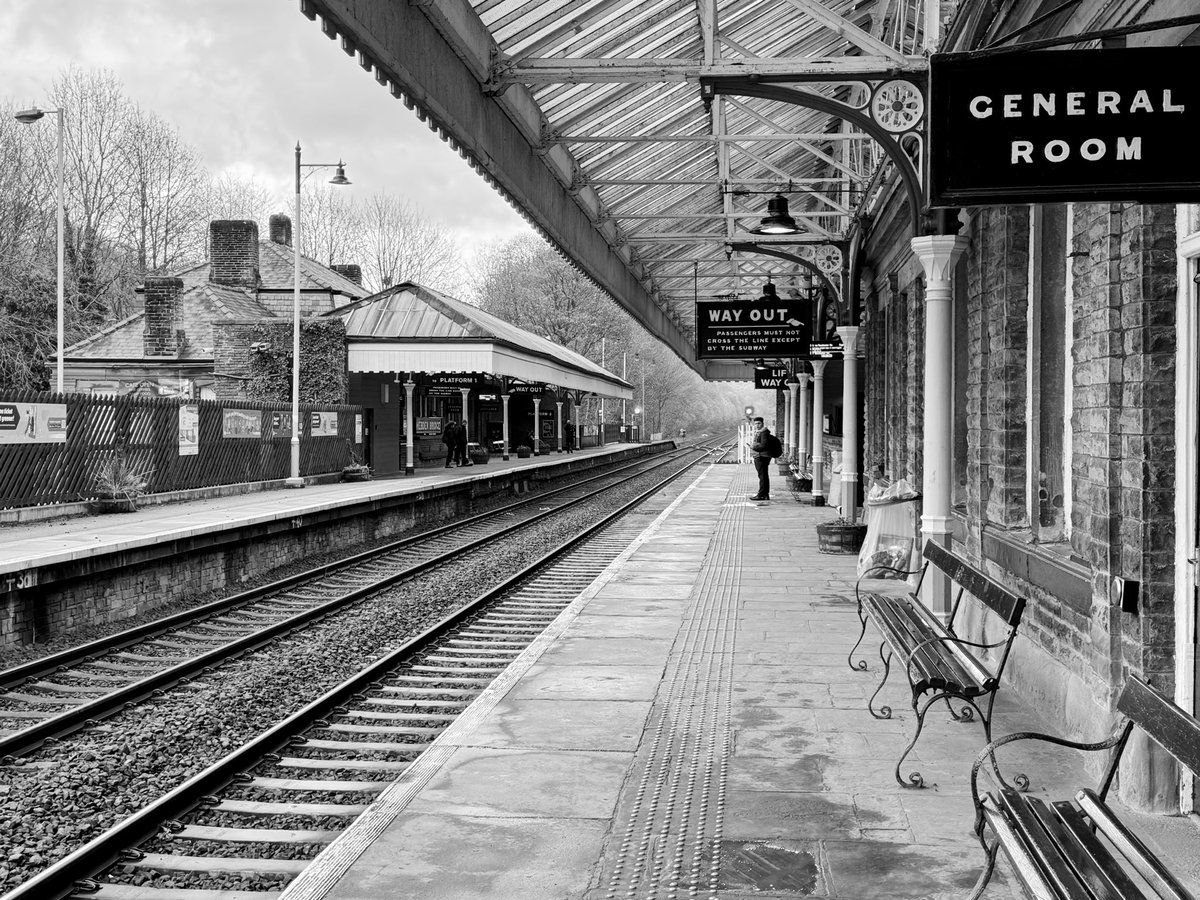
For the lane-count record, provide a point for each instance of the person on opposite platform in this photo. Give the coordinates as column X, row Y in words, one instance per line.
column 450, row 439
column 760, row 450
column 569, row 436
column 460, row 446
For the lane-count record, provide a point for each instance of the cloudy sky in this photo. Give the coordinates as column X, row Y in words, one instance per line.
column 243, row 80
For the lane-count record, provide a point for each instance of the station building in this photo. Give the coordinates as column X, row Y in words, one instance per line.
column 411, row 357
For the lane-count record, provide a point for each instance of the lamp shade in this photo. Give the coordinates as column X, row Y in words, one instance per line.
column 777, row 220
column 340, row 176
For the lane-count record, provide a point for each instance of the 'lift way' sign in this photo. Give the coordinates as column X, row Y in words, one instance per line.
column 748, row 328
column 1059, row 125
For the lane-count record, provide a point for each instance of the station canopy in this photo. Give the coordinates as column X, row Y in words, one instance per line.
column 410, row 328
column 646, row 138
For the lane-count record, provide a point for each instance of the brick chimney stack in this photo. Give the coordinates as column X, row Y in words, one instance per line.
column 281, row 229
column 233, row 253
column 162, row 335
column 350, row 271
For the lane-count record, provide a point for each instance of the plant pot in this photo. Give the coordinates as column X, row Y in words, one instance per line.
column 103, row 505
column 841, row 537
column 524, row 453
column 479, row 457
column 356, row 474
column 804, row 485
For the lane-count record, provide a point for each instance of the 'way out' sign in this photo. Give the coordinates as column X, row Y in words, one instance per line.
column 749, row 328
column 1058, row 125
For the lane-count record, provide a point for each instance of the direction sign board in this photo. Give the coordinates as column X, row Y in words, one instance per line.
column 748, row 328
column 1059, row 125
column 770, row 378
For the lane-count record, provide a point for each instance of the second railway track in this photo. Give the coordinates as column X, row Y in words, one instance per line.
column 295, row 801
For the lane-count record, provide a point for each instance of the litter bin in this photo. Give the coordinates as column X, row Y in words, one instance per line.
column 891, row 540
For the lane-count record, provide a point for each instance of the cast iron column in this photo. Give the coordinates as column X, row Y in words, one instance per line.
column 410, row 438
column 850, row 421
column 818, row 432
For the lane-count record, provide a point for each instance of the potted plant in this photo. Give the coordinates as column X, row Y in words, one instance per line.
column 118, row 484
column 477, row 453
column 356, row 469
column 524, row 452
column 841, row 536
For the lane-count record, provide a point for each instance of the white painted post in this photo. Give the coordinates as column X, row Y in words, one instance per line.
column 818, row 432
column 802, row 422
column 409, row 437
column 466, row 413
column 793, row 421
column 558, row 403
column 786, row 437
column 504, row 398
column 850, row 421
column 938, row 254
column 537, row 426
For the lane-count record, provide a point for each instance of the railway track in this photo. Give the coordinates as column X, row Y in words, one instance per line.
column 249, row 823
column 53, row 697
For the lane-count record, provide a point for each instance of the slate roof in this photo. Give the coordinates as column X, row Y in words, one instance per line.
column 200, row 306
column 276, row 272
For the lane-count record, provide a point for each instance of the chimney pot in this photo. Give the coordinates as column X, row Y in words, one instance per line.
column 281, row 229
column 162, row 335
column 350, row 271
column 233, row 253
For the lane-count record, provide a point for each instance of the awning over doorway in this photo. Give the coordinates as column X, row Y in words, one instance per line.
column 411, row 328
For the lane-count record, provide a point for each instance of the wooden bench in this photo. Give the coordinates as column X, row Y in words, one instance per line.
column 940, row 664
column 1055, row 848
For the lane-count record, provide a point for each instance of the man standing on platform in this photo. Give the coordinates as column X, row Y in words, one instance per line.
column 761, row 452
column 450, row 439
column 460, row 446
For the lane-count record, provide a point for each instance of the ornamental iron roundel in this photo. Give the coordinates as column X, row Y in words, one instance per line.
column 828, row 259
column 897, row 105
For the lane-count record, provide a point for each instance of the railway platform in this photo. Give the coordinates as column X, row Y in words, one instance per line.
column 77, row 568
column 689, row 728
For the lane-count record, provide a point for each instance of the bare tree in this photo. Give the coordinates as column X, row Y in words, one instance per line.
column 525, row 282
column 232, row 197
column 329, row 225
column 165, row 219
column 399, row 243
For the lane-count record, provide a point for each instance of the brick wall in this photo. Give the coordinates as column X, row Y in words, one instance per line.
column 233, row 252
column 231, row 359
column 280, row 229
column 161, row 335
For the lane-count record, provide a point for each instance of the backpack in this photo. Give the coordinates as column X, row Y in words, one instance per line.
column 774, row 447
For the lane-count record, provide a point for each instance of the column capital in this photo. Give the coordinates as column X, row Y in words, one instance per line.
column 849, row 335
column 818, row 368
column 794, row 387
column 938, row 253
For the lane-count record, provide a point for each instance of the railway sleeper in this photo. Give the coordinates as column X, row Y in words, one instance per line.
column 322, row 785
column 355, row 765
column 169, row 862
column 265, row 808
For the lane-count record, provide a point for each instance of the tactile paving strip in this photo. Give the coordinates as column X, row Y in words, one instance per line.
column 667, row 833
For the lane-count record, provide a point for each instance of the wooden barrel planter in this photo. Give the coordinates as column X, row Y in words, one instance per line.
column 839, row 536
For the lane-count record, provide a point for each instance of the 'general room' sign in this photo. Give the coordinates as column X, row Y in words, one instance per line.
column 1059, row 125
column 750, row 328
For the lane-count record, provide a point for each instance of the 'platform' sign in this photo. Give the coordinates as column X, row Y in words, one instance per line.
column 1059, row 125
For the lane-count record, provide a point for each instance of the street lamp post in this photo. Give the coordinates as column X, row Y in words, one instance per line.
column 29, row 116
column 340, row 179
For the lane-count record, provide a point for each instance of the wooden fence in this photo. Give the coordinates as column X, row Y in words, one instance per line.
column 51, row 445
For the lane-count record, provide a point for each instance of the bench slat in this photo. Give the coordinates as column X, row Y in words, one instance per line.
column 994, row 595
column 1159, row 717
column 948, row 658
column 1131, row 847
column 1029, row 816
column 1026, row 869
column 906, row 623
column 1094, row 862
column 901, row 633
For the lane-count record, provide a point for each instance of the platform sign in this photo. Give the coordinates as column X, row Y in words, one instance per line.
column 428, row 425
column 323, row 424
column 826, row 350
column 241, row 423
column 526, row 387
column 33, row 423
column 189, row 429
column 750, row 328
column 770, row 378
column 455, row 380
column 1059, row 125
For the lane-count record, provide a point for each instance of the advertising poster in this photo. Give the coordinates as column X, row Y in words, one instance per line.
column 241, row 423
column 358, row 428
column 189, row 429
column 427, row 425
column 281, row 424
column 323, row 424
column 33, row 423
